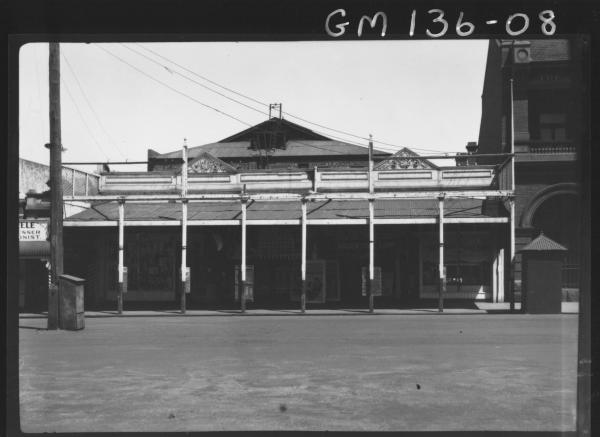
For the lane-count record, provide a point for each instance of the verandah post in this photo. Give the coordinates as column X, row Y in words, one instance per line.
column 121, row 203
column 371, row 281
column 511, row 256
column 184, row 213
column 184, row 205
column 244, row 200
column 371, row 228
column 442, row 275
column 303, row 262
column 512, row 201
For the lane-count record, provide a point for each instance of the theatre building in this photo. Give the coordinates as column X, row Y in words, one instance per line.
column 547, row 132
column 291, row 205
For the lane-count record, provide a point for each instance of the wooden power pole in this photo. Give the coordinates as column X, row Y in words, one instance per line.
column 56, row 191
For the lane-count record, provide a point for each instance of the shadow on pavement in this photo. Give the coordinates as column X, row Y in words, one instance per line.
column 32, row 327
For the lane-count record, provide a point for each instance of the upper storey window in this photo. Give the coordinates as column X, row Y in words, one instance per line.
column 553, row 127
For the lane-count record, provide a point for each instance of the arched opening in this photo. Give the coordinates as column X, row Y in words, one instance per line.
column 558, row 216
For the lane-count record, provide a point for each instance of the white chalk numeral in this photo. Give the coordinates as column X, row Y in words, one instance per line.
column 412, row 22
column 547, row 18
column 470, row 27
column 522, row 29
column 438, row 19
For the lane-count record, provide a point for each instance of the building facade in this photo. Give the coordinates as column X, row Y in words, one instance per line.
column 34, row 217
column 305, row 217
column 544, row 120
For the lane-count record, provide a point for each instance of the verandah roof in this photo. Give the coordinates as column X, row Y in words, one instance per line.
column 332, row 211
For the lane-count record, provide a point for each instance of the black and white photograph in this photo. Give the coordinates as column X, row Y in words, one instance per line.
column 333, row 235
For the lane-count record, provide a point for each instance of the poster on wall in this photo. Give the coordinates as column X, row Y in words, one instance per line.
column 315, row 283
column 33, row 230
column 376, row 281
column 249, row 288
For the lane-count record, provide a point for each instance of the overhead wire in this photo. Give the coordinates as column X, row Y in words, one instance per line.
column 90, row 105
column 394, row 146
column 390, row 147
column 171, row 88
column 195, row 81
column 237, row 119
column 83, row 119
column 200, row 76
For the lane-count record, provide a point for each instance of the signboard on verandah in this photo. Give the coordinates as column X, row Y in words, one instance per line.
column 33, row 230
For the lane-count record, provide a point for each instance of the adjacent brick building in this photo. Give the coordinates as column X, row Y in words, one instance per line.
column 547, row 103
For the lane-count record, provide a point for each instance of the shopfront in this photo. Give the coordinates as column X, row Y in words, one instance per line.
column 406, row 254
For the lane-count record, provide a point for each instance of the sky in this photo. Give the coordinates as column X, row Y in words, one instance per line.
column 119, row 100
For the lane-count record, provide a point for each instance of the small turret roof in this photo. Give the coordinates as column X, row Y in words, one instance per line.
column 543, row 244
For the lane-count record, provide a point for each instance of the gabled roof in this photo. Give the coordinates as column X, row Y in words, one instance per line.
column 403, row 159
column 299, row 148
column 292, row 131
column 543, row 244
column 300, row 142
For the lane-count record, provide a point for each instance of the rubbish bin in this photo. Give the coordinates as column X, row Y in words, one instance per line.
column 542, row 261
column 71, row 312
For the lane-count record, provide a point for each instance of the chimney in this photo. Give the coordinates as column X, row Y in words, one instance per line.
column 472, row 147
column 462, row 160
column 102, row 168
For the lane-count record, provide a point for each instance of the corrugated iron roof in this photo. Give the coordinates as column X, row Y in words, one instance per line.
column 292, row 130
column 241, row 149
column 543, row 244
column 283, row 210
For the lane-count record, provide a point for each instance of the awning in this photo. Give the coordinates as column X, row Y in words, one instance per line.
column 34, row 249
column 388, row 211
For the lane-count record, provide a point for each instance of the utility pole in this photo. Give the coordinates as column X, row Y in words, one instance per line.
column 56, row 191
column 370, row 282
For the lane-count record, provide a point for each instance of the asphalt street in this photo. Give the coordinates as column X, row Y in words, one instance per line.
column 385, row 372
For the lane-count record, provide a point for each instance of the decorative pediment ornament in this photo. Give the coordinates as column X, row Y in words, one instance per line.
column 403, row 159
column 206, row 163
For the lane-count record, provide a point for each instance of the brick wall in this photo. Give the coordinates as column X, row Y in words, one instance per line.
column 530, row 180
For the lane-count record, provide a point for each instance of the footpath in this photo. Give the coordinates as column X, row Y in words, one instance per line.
column 481, row 308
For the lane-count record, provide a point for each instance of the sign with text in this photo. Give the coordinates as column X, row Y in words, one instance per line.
column 33, row 230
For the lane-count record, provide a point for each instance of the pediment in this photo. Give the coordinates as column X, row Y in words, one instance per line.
column 207, row 163
column 404, row 159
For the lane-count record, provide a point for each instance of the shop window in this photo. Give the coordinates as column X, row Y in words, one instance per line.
column 463, row 274
column 150, row 259
column 466, row 258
